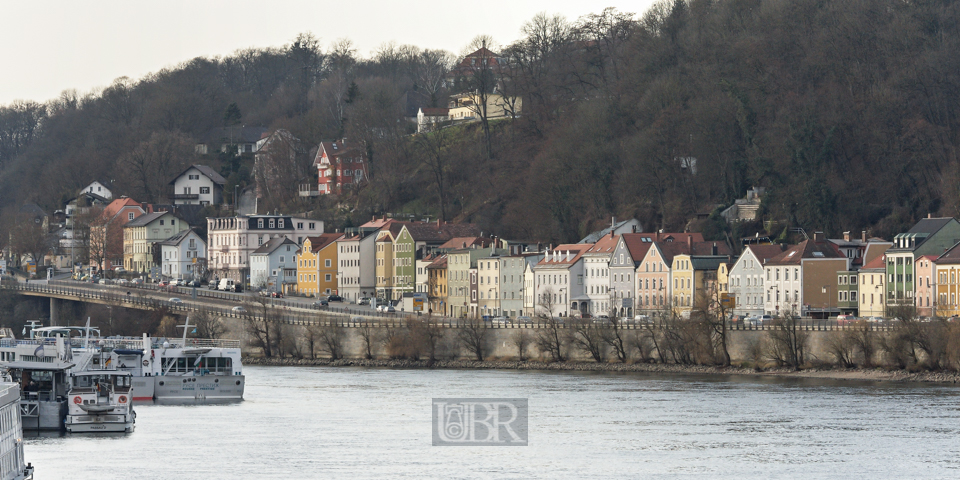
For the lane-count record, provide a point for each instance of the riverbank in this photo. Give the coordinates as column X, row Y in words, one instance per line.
column 858, row 374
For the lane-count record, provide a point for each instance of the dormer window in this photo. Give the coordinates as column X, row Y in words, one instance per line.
column 260, row 223
column 280, row 223
column 272, row 223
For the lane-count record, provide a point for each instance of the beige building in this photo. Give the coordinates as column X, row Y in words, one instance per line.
column 871, row 278
column 140, row 235
column 465, row 107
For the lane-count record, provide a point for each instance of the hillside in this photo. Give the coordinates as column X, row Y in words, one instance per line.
column 846, row 111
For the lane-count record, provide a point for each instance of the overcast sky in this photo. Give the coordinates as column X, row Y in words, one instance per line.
column 51, row 46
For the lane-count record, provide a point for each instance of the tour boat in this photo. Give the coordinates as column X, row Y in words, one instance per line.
column 100, row 401
column 161, row 368
column 11, row 431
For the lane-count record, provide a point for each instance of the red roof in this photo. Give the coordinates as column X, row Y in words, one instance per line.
column 321, row 241
column 806, row 249
column 606, row 244
column 879, row 262
column 766, row 252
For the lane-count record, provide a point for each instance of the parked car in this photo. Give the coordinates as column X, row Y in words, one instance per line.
column 239, row 309
column 335, row 298
column 119, row 269
column 321, row 303
column 500, row 321
column 524, row 319
column 163, row 283
column 195, row 284
column 363, row 301
column 642, row 319
column 753, row 321
column 846, row 320
column 175, row 300
column 276, row 294
column 875, row 319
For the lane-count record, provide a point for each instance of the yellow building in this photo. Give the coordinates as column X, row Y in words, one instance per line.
column 872, row 291
column 465, row 107
column 385, row 264
column 317, row 265
column 948, row 283
column 682, row 273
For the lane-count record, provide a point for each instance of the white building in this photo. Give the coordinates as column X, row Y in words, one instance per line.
column 745, row 280
column 231, row 240
column 197, row 185
column 559, row 281
column 274, row 265
column 596, row 274
column 99, row 189
column 356, row 258
column 183, row 256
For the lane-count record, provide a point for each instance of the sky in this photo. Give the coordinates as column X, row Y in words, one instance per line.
column 52, row 46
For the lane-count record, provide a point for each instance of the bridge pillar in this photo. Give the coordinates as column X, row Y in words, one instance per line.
column 54, row 314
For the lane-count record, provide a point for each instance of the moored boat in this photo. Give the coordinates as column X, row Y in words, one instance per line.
column 100, row 401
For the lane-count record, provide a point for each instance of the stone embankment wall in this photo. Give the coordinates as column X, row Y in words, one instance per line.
column 500, row 343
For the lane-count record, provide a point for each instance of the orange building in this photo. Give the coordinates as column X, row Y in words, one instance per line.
column 317, row 265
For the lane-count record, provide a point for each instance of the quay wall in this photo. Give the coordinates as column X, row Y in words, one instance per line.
column 501, row 343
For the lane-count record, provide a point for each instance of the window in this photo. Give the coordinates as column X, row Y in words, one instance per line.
column 204, row 190
column 272, row 223
column 326, row 277
column 280, row 223
column 312, row 225
column 259, row 223
column 161, row 222
column 326, row 262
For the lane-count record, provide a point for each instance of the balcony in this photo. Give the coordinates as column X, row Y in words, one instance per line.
column 309, row 190
column 183, row 196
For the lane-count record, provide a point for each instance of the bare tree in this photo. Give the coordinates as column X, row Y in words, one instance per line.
column 149, row 166
column 588, row 337
column 521, row 340
column 615, row 336
column 370, row 337
column 552, row 339
column 208, row 325
column 433, row 150
column 260, row 320
column 788, row 341
column 330, row 337
column 472, row 335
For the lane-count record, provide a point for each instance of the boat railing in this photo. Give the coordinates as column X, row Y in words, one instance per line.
column 198, row 342
column 137, row 342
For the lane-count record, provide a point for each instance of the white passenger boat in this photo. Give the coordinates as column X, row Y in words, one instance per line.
column 161, row 368
column 41, row 368
column 100, row 401
column 11, row 432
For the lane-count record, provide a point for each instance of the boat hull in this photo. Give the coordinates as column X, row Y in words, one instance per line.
column 100, row 423
column 213, row 387
column 143, row 388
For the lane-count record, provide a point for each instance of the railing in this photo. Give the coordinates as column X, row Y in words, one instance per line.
column 183, row 196
column 307, row 314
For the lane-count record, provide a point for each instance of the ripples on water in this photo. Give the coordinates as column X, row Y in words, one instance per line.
column 375, row 423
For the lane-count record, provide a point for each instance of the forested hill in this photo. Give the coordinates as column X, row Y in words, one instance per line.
column 845, row 110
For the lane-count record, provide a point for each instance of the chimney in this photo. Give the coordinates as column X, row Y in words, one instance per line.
column 690, row 243
column 438, row 223
column 658, row 235
column 846, row 236
column 817, row 236
column 634, row 229
column 713, row 249
column 863, row 236
column 929, row 215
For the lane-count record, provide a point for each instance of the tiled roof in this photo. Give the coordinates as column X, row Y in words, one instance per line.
column 206, row 171
column 178, row 238
column 145, row 219
column 321, row 241
column 440, row 262
column 272, row 245
column 766, row 252
column 879, row 262
column 464, row 242
column 605, row 245
column 806, row 249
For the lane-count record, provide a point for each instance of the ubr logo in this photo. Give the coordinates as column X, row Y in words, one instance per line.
column 480, row 421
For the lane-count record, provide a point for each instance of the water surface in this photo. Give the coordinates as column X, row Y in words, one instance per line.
column 356, row 423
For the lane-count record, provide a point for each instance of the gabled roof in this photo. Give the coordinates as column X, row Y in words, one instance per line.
column 713, row 262
column 878, row 263
column 179, row 238
column 766, row 252
column 464, row 242
column 604, row 246
column 564, row 255
column 340, row 148
column 272, row 245
column 596, row 236
column 114, row 207
column 806, row 249
column 950, row 257
column 205, row 171
column 670, row 249
column 439, row 262
column 321, row 241
column 146, row 219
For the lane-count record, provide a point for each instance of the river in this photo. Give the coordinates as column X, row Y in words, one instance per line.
column 357, row 423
